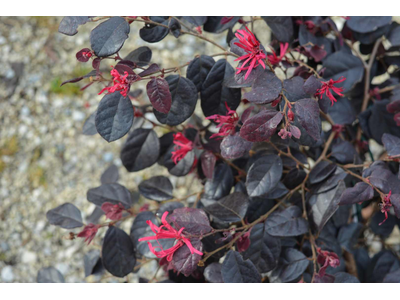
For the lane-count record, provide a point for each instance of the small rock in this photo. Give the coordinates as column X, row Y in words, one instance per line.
column 108, row 157
column 28, row 257
column 7, row 274
column 78, row 115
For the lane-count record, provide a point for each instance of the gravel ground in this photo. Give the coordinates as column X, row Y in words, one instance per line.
column 44, row 159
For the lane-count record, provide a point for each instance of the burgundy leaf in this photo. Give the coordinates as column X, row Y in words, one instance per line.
column 266, row 88
column 208, row 161
column 261, row 126
column 194, row 220
column 159, row 94
column 185, row 262
column 233, row 146
column 307, row 113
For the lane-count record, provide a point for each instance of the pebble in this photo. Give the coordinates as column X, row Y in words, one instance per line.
column 7, row 274
column 28, row 257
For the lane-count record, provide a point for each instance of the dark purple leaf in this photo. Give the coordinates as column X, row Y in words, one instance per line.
column 331, row 182
column 231, row 208
column 208, row 160
column 292, row 265
column 382, row 263
column 212, row 273
column 311, row 85
column 392, row 144
column 183, row 167
column 221, row 183
column 89, row 127
column 393, row 277
column 261, row 126
column 109, row 37
column 152, row 69
column 233, row 146
column 326, row 205
column 344, row 152
column 194, row 220
column 214, row 24
column 342, row 112
column 113, row 193
column 264, row 249
column 169, row 207
column 395, row 200
column 321, row 171
column 281, row 27
column 159, row 95
column 118, row 252
column 185, row 262
column 114, row 116
column 140, row 56
column 198, row 70
column 307, row 114
column 214, row 95
column 110, row 175
column 348, row 235
column 293, row 89
column 141, row 150
column 288, row 222
column 184, row 98
column 88, row 75
column 69, row 25
column 265, row 89
column 157, row 188
column 377, row 114
column 174, row 27
column 342, row 277
column 154, row 33
column 49, row 275
column 344, row 64
column 67, row 216
column 92, row 263
column 359, row 193
column 264, row 175
column 236, row 270
column 195, row 20
column 367, row 24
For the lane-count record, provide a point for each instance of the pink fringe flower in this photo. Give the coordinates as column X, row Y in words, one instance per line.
column 254, row 55
column 89, row 232
column 121, row 83
column 183, row 146
column 113, row 211
column 327, row 86
column 166, row 231
column 385, row 206
column 274, row 59
column 226, row 124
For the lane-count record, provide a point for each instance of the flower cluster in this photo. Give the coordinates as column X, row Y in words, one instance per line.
column 120, row 83
column 254, row 55
column 226, row 124
column 327, row 86
column 274, row 59
column 182, row 146
column 166, row 231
